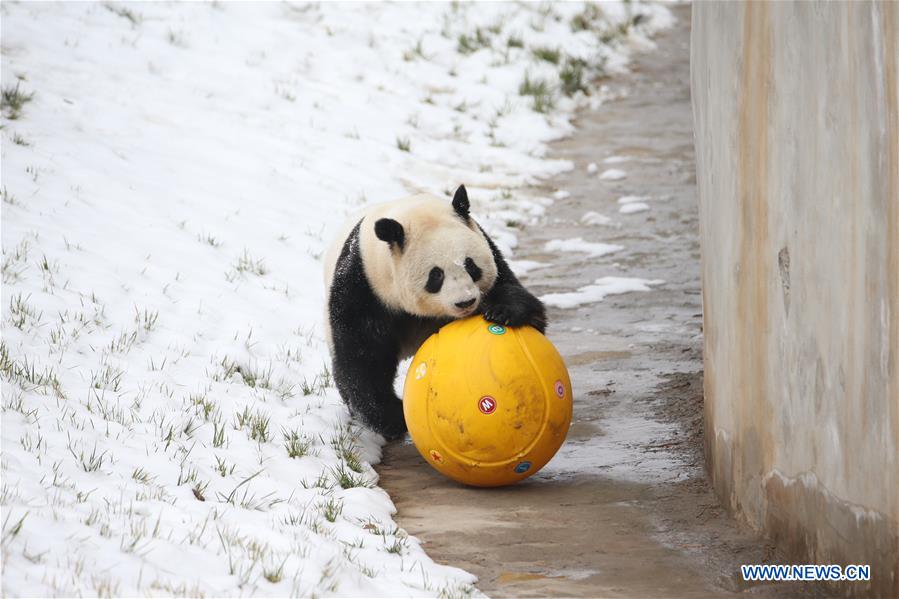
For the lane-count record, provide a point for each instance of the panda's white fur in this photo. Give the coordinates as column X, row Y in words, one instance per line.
column 378, row 308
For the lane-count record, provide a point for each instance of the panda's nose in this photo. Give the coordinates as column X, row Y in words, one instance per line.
column 465, row 304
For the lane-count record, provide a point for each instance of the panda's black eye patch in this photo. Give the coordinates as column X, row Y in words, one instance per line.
column 435, row 280
column 473, row 270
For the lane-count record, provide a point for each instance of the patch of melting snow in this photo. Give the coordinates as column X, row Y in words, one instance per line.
column 613, row 174
column 561, row 194
column 592, row 168
column 633, row 207
column 578, row 244
column 595, row 218
column 574, row 574
column 616, row 159
column 522, row 267
column 598, row 291
column 632, row 199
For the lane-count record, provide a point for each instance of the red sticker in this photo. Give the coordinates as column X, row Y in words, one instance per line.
column 487, row 404
column 435, row 455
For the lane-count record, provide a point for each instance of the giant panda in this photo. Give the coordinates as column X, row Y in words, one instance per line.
column 395, row 276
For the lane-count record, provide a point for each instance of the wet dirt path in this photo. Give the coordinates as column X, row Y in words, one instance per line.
column 624, row 510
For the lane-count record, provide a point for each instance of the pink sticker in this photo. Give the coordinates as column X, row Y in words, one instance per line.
column 487, row 404
column 560, row 389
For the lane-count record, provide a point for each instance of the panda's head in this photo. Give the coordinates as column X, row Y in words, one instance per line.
column 429, row 257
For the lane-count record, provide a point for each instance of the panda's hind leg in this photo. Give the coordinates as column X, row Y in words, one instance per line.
column 364, row 350
column 364, row 374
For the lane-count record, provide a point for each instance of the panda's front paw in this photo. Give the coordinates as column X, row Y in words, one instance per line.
column 508, row 315
column 516, row 310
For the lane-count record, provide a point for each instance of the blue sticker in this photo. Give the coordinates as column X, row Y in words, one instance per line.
column 522, row 467
column 496, row 329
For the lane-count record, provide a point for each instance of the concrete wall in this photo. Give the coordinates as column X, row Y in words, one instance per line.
column 797, row 145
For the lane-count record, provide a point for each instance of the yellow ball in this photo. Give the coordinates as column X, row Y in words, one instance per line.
column 487, row 405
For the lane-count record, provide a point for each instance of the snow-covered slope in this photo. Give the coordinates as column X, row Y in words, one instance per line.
column 170, row 175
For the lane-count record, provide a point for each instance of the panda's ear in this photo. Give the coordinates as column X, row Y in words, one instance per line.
column 460, row 202
column 390, row 231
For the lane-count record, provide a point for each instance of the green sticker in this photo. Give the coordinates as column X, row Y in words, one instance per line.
column 496, row 329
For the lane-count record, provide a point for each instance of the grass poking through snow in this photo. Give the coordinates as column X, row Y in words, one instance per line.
column 13, row 99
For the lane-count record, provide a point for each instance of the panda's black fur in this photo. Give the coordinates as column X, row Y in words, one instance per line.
column 368, row 337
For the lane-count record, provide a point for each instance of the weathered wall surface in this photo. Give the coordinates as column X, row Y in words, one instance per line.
column 797, row 144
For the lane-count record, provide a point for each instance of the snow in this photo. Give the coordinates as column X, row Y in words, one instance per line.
column 522, row 267
column 592, row 168
column 613, row 174
column 633, row 207
column 169, row 421
column 595, row 218
column 615, row 159
column 578, row 245
column 598, row 290
column 631, row 199
column 561, row 194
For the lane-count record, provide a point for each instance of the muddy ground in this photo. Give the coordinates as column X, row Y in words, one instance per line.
column 625, row 509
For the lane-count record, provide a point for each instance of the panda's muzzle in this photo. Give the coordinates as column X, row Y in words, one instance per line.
column 465, row 304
